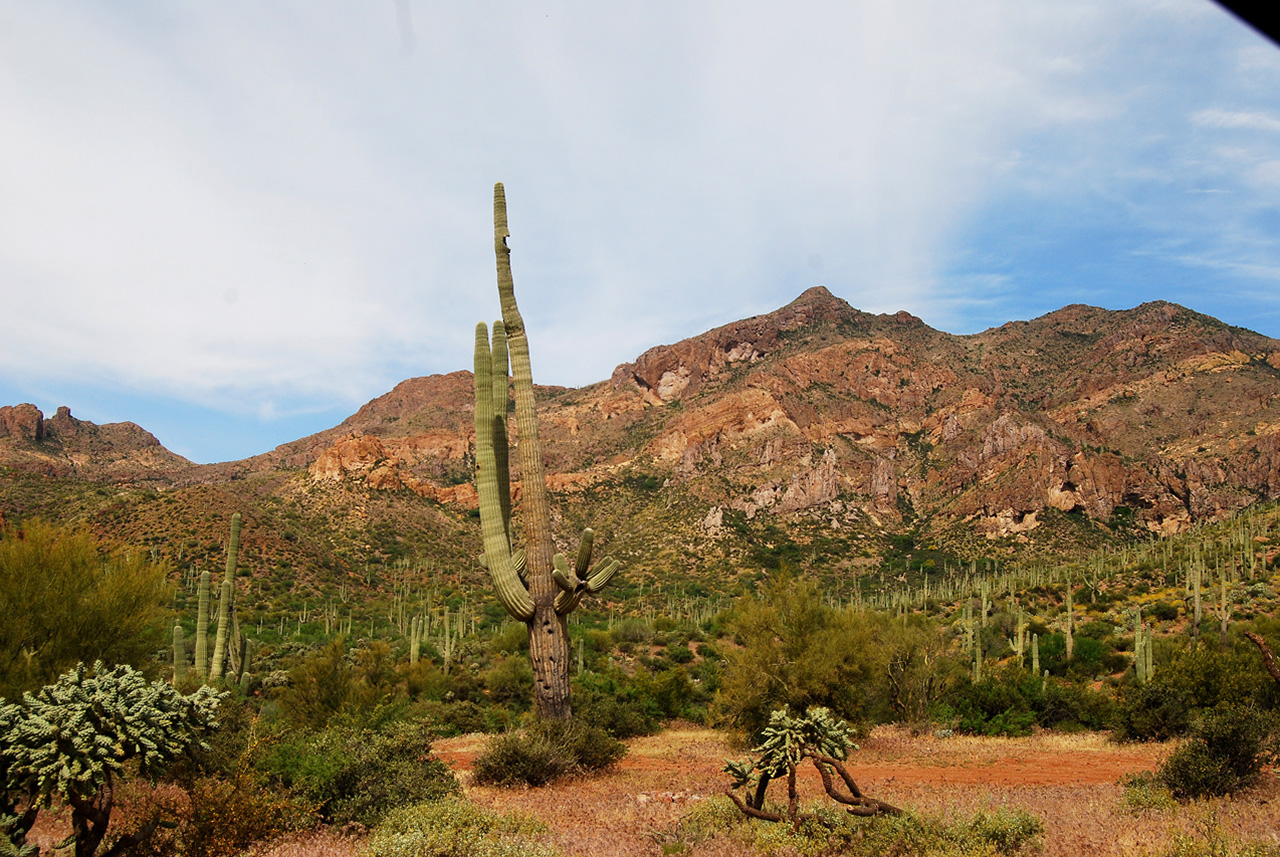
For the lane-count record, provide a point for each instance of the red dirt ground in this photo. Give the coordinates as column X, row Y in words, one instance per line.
column 1070, row 782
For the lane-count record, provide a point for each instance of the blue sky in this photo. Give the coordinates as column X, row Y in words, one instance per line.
column 235, row 223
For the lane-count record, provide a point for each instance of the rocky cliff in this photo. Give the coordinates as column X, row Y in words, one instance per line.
column 63, row 446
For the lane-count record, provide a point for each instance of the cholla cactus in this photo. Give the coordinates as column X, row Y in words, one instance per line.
column 786, row 742
column 71, row 740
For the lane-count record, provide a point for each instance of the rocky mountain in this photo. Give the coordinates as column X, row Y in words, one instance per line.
column 809, row 434
column 65, row 447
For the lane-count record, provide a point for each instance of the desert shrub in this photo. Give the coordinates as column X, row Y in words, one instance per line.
column 592, row 749
column 1225, row 753
column 796, row 652
column 226, row 814
column 1195, row 680
column 456, row 827
column 545, row 752
column 680, row 654
column 828, row 830
column 1010, row 700
column 521, row 758
column 616, row 702
column 997, row 705
column 1069, row 707
column 62, row 602
column 359, row 775
column 463, row 717
column 511, row 640
column 510, row 682
column 1152, row 712
column 321, row 686
column 669, row 693
column 633, row 631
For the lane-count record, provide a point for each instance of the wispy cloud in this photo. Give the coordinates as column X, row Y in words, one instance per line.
column 1237, row 119
column 269, row 210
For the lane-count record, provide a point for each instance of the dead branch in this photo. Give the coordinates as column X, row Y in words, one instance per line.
column 857, row 803
column 761, row 814
column 1268, row 659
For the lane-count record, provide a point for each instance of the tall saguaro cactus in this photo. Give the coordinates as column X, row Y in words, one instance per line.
column 536, row 585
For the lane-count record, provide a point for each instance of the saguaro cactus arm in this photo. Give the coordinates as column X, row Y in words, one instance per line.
column 581, row 579
column 494, row 514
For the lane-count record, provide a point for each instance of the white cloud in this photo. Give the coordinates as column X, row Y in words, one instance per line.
column 669, row 166
column 1237, row 119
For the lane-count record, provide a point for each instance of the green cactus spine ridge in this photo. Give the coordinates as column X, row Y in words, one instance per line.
column 494, row 514
column 179, row 655
column 235, row 643
column 534, row 583
column 202, row 627
column 224, row 625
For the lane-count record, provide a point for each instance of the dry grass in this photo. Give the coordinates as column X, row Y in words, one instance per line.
column 315, row 843
column 1068, row 781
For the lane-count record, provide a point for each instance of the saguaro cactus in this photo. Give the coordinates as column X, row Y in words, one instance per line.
column 202, row 627
column 179, row 655
column 535, row 585
column 224, row 625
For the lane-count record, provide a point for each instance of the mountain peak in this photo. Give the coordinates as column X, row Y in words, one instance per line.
column 672, row 372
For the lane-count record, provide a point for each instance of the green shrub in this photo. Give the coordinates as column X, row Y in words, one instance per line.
column 615, row 703
column 544, row 753
column 521, row 758
column 463, row 717
column 456, row 827
column 510, row 682
column 592, row 748
column 828, row 830
column 796, row 651
column 1195, row 680
column 1224, row 754
column 63, row 602
column 360, row 775
column 1152, row 712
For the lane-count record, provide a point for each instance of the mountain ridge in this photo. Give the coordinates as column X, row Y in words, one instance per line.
column 825, row 421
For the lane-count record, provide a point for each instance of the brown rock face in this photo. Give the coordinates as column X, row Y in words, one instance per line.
column 65, row 446
column 22, row 421
column 672, row 372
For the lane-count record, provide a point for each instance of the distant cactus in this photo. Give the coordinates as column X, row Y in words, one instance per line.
column 179, row 655
column 229, row 645
column 202, row 628
column 224, row 625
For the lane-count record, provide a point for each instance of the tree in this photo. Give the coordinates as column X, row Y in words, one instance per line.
column 63, row 602
column 535, row 584
column 797, row 652
column 73, row 739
